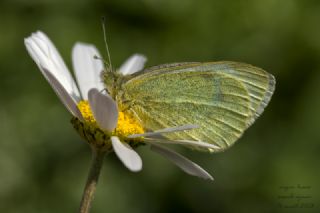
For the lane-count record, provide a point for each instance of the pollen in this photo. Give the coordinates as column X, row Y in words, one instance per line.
column 127, row 124
column 86, row 112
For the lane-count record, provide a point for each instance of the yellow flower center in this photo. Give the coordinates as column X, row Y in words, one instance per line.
column 86, row 112
column 127, row 124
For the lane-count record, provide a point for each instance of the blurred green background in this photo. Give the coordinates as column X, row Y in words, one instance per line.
column 44, row 163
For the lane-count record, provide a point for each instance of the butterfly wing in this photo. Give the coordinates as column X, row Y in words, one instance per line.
column 223, row 98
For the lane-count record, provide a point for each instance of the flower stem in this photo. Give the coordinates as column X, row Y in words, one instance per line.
column 93, row 176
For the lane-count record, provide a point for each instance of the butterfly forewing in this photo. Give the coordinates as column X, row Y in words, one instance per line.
column 222, row 98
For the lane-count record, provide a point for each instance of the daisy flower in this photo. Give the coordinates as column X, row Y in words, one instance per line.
column 96, row 115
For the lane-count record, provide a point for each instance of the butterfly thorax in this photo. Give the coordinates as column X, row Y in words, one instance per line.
column 113, row 81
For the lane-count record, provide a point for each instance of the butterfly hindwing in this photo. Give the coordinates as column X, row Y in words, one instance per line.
column 222, row 98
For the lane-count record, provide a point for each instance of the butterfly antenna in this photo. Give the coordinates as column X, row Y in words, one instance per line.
column 103, row 20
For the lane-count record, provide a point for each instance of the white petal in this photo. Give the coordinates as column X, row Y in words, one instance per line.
column 182, row 142
column 182, row 162
column 133, row 64
column 166, row 130
column 104, row 110
column 55, row 54
column 87, row 69
column 45, row 54
column 126, row 154
column 57, row 60
column 64, row 96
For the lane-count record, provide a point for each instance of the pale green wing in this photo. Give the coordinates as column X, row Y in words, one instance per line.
column 259, row 83
column 216, row 98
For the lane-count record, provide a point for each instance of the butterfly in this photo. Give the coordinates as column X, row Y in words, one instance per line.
column 222, row 98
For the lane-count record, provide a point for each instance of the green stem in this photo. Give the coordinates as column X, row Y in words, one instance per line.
column 93, row 176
